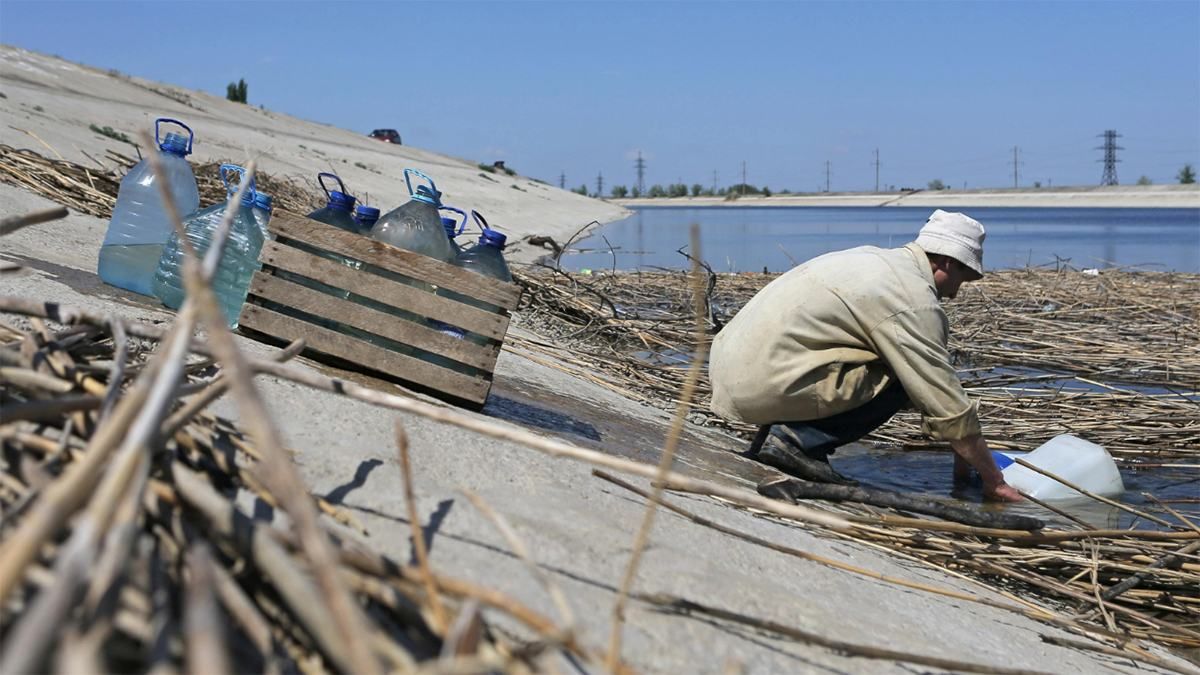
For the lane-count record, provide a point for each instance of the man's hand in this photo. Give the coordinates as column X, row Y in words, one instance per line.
column 973, row 450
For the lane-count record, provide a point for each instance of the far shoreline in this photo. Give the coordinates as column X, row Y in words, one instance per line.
column 1110, row 196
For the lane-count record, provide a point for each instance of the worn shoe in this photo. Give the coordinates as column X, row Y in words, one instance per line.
column 778, row 451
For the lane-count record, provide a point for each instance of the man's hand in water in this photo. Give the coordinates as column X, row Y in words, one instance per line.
column 973, row 451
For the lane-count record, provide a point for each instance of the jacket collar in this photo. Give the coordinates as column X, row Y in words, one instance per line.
column 922, row 261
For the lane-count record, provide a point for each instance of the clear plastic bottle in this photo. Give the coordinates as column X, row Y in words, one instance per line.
column 139, row 226
column 415, row 225
column 262, row 213
column 486, row 259
column 239, row 260
column 339, row 209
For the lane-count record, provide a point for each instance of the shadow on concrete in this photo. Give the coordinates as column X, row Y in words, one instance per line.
column 435, row 523
column 337, row 494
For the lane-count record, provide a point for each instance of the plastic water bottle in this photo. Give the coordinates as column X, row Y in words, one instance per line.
column 239, row 260
column 1071, row 458
column 339, row 210
column 454, row 228
column 366, row 217
column 415, row 225
column 262, row 212
column 486, row 259
column 140, row 226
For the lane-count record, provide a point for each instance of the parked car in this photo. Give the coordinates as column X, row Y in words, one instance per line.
column 386, row 135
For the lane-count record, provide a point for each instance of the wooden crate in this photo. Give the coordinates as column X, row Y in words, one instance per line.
column 283, row 310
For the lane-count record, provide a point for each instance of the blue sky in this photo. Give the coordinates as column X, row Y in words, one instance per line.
column 943, row 90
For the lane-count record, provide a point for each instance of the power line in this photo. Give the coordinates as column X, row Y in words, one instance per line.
column 562, row 180
column 600, row 184
column 828, row 164
column 1016, row 163
column 640, row 165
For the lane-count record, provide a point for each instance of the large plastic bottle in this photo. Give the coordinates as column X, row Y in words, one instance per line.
column 139, row 226
column 1071, row 458
column 262, row 212
column 239, row 259
column 339, row 210
column 415, row 225
column 486, row 259
column 454, row 227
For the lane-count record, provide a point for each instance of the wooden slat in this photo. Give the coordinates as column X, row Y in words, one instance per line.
column 327, row 237
column 402, row 296
column 465, row 387
column 326, row 306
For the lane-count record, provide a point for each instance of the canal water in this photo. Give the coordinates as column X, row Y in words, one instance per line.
column 744, row 239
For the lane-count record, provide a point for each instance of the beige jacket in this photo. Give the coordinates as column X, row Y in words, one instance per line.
column 831, row 334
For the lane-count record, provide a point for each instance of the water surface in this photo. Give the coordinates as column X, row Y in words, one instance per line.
column 739, row 239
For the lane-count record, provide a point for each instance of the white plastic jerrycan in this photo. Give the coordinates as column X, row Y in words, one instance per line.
column 1069, row 457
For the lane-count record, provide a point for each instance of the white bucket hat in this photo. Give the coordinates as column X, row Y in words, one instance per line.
column 954, row 235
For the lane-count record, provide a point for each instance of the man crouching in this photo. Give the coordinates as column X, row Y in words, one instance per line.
column 830, row 350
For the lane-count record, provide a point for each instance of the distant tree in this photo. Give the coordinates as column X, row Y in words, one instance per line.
column 236, row 92
column 697, row 189
column 766, row 191
column 1186, row 175
column 743, row 189
column 581, row 190
column 677, row 190
column 619, row 192
column 635, row 192
column 1145, row 180
column 1037, row 183
column 656, row 191
column 937, row 184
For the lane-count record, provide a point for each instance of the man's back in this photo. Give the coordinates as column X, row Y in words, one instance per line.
column 808, row 345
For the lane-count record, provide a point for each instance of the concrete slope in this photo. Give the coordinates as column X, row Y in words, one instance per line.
column 49, row 105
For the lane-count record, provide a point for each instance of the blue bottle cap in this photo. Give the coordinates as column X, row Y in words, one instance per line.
column 263, row 201
column 492, row 237
column 341, row 201
column 451, row 225
column 424, row 194
column 175, row 144
column 367, row 213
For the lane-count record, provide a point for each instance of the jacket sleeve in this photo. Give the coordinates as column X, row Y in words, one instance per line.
column 913, row 344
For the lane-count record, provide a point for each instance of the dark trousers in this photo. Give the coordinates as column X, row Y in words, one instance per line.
column 819, row 438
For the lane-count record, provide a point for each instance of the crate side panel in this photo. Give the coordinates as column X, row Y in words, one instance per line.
column 397, row 260
column 465, row 387
column 314, row 302
column 385, row 291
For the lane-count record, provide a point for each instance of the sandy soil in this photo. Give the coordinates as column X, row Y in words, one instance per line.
column 578, row 528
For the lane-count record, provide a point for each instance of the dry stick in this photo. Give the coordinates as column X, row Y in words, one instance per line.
column 127, row 473
column 277, row 470
column 268, row 556
column 668, row 457
column 414, row 520
column 514, row 542
column 1148, row 658
column 1087, row 493
column 13, row 223
column 206, row 650
column 63, row 496
column 116, row 377
column 850, row 649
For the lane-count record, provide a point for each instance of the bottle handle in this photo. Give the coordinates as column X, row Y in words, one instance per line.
column 227, row 169
column 462, row 224
column 160, row 120
column 321, row 182
column 479, row 219
column 409, row 173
